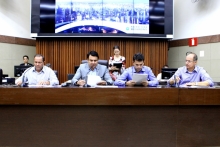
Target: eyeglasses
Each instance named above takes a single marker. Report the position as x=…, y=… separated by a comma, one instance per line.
x=189, y=61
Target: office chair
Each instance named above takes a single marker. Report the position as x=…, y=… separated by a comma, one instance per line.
x=56, y=73
x=70, y=76
x=1, y=76
x=102, y=62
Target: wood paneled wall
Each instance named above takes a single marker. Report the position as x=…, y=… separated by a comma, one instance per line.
x=65, y=53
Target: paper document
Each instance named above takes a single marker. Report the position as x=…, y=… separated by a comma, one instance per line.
x=93, y=80
x=100, y=86
x=138, y=78
x=40, y=86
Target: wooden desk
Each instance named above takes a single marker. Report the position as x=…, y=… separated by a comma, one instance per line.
x=157, y=117
x=109, y=96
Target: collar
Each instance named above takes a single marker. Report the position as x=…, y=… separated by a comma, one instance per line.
x=96, y=68
x=134, y=71
x=43, y=69
x=194, y=70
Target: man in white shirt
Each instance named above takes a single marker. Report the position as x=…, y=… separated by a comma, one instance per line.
x=38, y=74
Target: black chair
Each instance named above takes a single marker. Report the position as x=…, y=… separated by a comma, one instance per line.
x=1, y=76
x=70, y=76
x=56, y=73
x=102, y=62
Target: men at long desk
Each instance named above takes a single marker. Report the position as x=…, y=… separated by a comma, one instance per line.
x=92, y=68
x=38, y=74
x=191, y=74
x=138, y=68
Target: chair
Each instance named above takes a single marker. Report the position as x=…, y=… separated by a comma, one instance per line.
x=102, y=62
x=56, y=73
x=70, y=76
x=0, y=76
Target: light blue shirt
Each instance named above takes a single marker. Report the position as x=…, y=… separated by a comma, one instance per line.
x=197, y=75
x=128, y=74
x=32, y=77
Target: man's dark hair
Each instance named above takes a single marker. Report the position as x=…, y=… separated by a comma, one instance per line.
x=39, y=55
x=93, y=53
x=138, y=57
x=195, y=57
x=116, y=47
x=26, y=57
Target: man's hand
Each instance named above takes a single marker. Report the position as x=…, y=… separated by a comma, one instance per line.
x=173, y=80
x=101, y=83
x=114, y=68
x=19, y=83
x=144, y=83
x=81, y=82
x=44, y=83
x=130, y=83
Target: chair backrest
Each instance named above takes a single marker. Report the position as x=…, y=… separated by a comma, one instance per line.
x=102, y=62
x=70, y=76
x=1, y=76
x=56, y=73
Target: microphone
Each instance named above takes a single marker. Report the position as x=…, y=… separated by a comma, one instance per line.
x=86, y=79
x=175, y=81
x=24, y=84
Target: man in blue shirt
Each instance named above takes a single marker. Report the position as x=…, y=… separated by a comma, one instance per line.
x=138, y=68
x=191, y=74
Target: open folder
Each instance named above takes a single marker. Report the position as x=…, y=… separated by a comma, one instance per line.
x=139, y=78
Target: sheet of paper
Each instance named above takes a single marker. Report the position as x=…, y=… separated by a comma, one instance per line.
x=35, y=86
x=107, y=86
x=93, y=80
x=138, y=78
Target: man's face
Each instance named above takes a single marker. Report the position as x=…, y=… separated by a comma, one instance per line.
x=25, y=59
x=92, y=61
x=190, y=64
x=38, y=63
x=138, y=65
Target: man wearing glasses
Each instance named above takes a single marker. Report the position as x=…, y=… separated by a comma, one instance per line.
x=138, y=68
x=191, y=74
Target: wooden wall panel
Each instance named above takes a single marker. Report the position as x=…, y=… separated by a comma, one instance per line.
x=65, y=53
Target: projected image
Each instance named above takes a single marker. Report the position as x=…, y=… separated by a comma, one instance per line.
x=102, y=16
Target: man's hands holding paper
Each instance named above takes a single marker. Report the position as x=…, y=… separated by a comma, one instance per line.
x=101, y=83
x=132, y=83
x=81, y=82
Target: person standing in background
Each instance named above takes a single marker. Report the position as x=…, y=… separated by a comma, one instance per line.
x=25, y=59
x=116, y=58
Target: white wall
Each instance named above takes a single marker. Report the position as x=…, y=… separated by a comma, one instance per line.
x=12, y=54
x=15, y=18
x=196, y=19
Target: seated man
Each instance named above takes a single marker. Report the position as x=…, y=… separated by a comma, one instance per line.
x=92, y=68
x=191, y=74
x=38, y=74
x=26, y=58
x=139, y=68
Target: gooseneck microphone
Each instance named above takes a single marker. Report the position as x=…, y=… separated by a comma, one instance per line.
x=86, y=79
x=24, y=84
x=176, y=83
